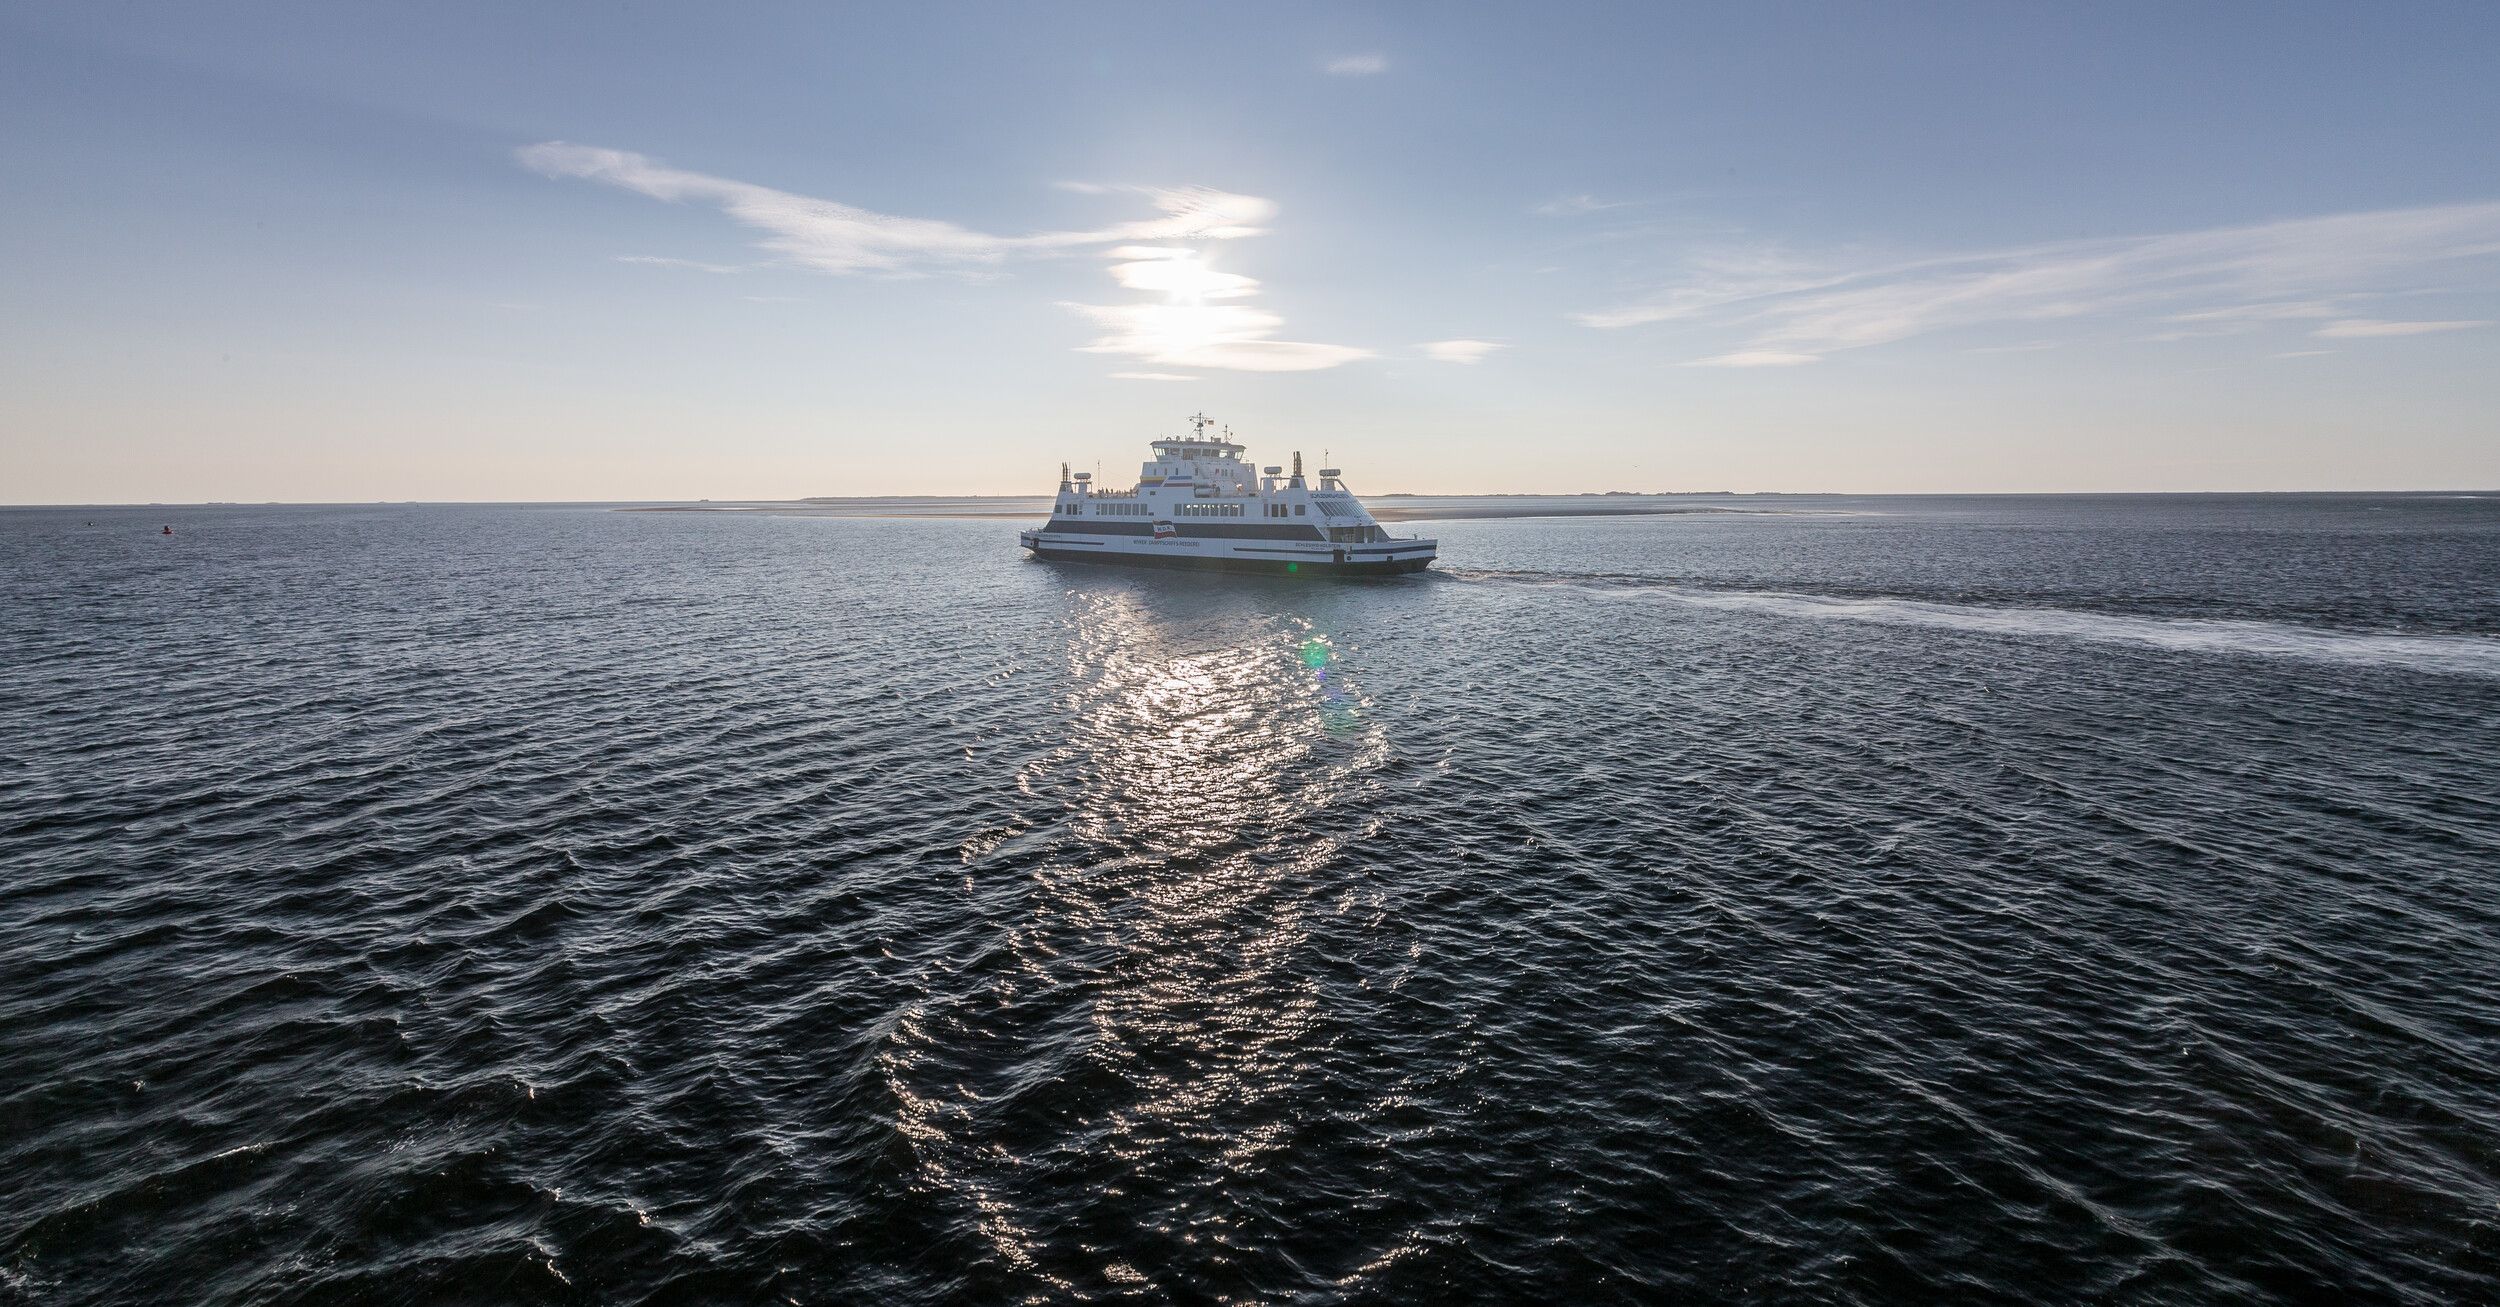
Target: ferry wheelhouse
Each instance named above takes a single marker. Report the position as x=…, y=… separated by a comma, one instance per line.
x=1196, y=504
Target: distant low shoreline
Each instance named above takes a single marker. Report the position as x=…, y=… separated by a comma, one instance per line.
x=1437, y=508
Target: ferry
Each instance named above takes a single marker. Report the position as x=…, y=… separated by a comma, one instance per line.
x=1196, y=504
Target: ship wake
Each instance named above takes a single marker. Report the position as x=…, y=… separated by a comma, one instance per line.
x=2453, y=654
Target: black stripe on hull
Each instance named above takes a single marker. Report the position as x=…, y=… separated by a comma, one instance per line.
x=1266, y=566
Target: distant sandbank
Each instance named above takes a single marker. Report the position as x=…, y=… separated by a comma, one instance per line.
x=1386, y=509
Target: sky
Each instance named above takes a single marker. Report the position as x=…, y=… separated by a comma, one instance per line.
x=351, y=252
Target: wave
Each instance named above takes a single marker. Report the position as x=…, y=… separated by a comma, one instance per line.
x=2467, y=655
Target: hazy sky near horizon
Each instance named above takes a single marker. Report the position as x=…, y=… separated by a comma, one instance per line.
x=453, y=251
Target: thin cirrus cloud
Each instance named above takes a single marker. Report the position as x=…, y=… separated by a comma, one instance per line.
x=1458, y=351
x=1148, y=255
x=695, y=265
x=1572, y=206
x=830, y=236
x=2357, y=328
x=1754, y=358
x=2275, y=311
x=1782, y=310
x=1358, y=65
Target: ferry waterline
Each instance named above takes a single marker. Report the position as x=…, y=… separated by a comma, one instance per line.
x=1196, y=504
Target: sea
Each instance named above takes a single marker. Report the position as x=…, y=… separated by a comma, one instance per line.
x=1742, y=899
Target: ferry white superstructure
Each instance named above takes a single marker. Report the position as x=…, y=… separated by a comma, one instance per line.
x=1196, y=504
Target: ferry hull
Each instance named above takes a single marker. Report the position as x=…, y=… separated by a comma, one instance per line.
x=1226, y=563
x=1275, y=558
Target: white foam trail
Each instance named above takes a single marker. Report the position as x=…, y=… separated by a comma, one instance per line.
x=2468, y=655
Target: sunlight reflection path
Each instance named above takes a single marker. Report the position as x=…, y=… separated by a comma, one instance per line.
x=1160, y=993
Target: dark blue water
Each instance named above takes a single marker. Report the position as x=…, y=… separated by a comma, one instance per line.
x=1876, y=901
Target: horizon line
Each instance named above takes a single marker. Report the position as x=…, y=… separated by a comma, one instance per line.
x=2470, y=491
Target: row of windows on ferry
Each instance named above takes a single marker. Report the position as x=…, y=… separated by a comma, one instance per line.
x=1120, y=508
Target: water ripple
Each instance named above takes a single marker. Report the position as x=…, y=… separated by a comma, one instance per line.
x=553, y=905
